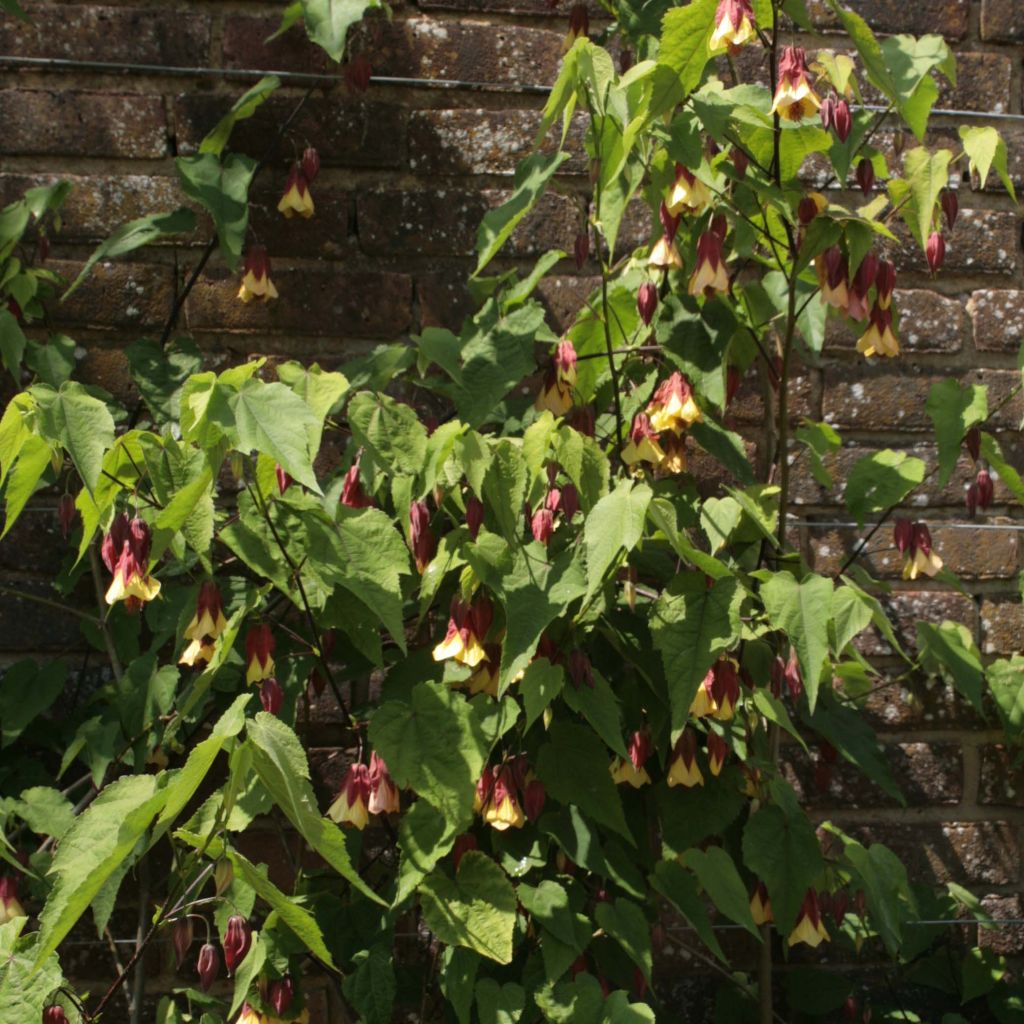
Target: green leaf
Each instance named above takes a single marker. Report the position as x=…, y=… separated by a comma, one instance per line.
x=243, y=108
x=46, y=811
x=852, y=613
x=159, y=374
x=949, y=650
x=390, y=430
x=222, y=189
x=531, y=179
x=600, y=707
x=499, y=1004
x=573, y=765
x=881, y=480
x=26, y=979
x=540, y=685
x=721, y=881
x=954, y=408
x=477, y=910
x=683, y=53
x=247, y=972
x=884, y=880
x=424, y=837
x=548, y=904
x=434, y=745
x=985, y=149
x=12, y=343
x=328, y=22
x=624, y=921
x=615, y=523
x=456, y=980
x=280, y=761
x=321, y=390
x=81, y=423
x=22, y=481
x=52, y=362
x=726, y=446
x=679, y=887
x=96, y=846
x=926, y=174
x=27, y=690
x=134, y=235
x=371, y=987
x=1006, y=682
x=297, y=918
x=272, y=419
x=691, y=625
x=803, y=611
x=993, y=454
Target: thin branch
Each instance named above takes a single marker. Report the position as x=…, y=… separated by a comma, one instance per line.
x=108, y=637
x=23, y=595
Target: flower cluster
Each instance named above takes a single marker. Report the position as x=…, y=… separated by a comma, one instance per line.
x=914, y=543
x=367, y=789
x=207, y=624
x=125, y=552
x=508, y=795
x=657, y=436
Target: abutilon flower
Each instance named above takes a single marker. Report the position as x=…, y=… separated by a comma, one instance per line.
x=725, y=688
x=384, y=795
x=832, y=270
x=468, y=625
x=647, y=302
x=280, y=994
x=674, y=461
x=66, y=513
x=740, y=162
x=421, y=537
x=865, y=175
x=734, y=26
x=684, y=770
x=643, y=443
x=581, y=248
x=688, y=194
x=357, y=73
x=793, y=676
x=534, y=798
x=733, y=380
x=208, y=966
x=672, y=406
x=271, y=695
x=914, y=542
x=474, y=515
x=559, y=381
x=485, y=677
x=703, y=702
x=857, y=308
x=761, y=905
x=352, y=493
x=950, y=206
x=125, y=552
x=665, y=255
x=297, y=198
x=972, y=442
x=237, y=940
x=809, y=927
x=935, y=251
x=207, y=624
x=851, y=1009
x=256, y=283
x=463, y=844
x=181, y=938
x=631, y=770
x=810, y=206
x=55, y=1015
x=284, y=478
x=878, y=339
x=579, y=25
x=835, y=115
x=250, y=1015
x=259, y=653
x=542, y=525
x=669, y=221
x=501, y=809
x=794, y=97
x=709, y=276
x=986, y=489
x=885, y=283
x=718, y=751
x=10, y=906
x=351, y=806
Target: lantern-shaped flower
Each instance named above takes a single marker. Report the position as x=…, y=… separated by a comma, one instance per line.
x=672, y=406
x=734, y=25
x=809, y=927
x=259, y=653
x=351, y=807
x=468, y=625
x=10, y=905
x=384, y=795
x=631, y=770
x=761, y=905
x=879, y=339
x=794, y=97
x=684, y=770
x=710, y=276
x=297, y=199
x=207, y=624
x=643, y=443
x=256, y=283
x=559, y=381
x=125, y=552
x=688, y=194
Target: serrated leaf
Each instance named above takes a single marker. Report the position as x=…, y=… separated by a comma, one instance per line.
x=881, y=480
x=26, y=691
x=624, y=921
x=683, y=53
x=389, y=429
x=81, y=423
x=954, y=408
x=614, y=524
x=243, y=108
x=222, y=189
x=371, y=987
x=22, y=481
x=721, y=881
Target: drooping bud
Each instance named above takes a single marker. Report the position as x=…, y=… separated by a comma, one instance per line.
x=237, y=941
x=827, y=112
x=352, y=493
x=840, y=904
x=310, y=163
x=761, y=905
x=807, y=210
x=421, y=537
x=280, y=994
x=647, y=302
x=581, y=672
x=474, y=515
x=579, y=25
x=865, y=175
x=733, y=379
x=842, y=121
x=357, y=73
x=718, y=751
x=66, y=513
x=271, y=695
x=950, y=206
x=581, y=248
x=885, y=283
x=857, y=307
x=54, y=1015
x=570, y=502
x=986, y=490
x=935, y=251
x=740, y=162
x=851, y=1009
x=182, y=938
x=223, y=876
x=833, y=273
x=284, y=479
x=464, y=843
x=534, y=796
x=903, y=535
x=972, y=442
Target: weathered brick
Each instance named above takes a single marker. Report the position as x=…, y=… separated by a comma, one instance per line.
x=108, y=368
x=984, y=82
x=1002, y=776
x=335, y=303
x=876, y=398
x=70, y=123
x=347, y=132
x=530, y=7
x=1002, y=21
x=996, y=558
x=123, y=295
x=327, y=234
x=564, y=298
x=926, y=774
x=1002, y=626
x=30, y=626
x=928, y=323
x=34, y=543
x=929, y=704
x=136, y=35
x=946, y=17
x=244, y=45
x=997, y=316
x=1003, y=939
x=445, y=222
x=327, y=768
x=483, y=141
x=983, y=852
x=906, y=608
x=984, y=242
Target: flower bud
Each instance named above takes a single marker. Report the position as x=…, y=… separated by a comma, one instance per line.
x=464, y=843
x=54, y=1015
x=851, y=1009
x=208, y=966
x=740, y=162
x=237, y=940
x=827, y=111
x=310, y=164
x=542, y=525
x=66, y=512
x=842, y=122
x=182, y=938
x=972, y=442
x=840, y=904
x=357, y=74
x=794, y=678
x=424, y=546
x=474, y=516
x=986, y=490
x=865, y=175
x=570, y=502
x=935, y=251
x=284, y=479
x=950, y=206
x=903, y=535
x=280, y=994
x=271, y=695
x=534, y=796
x=807, y=210
x=581, y=248
x=581, y=672
x=647, y=302
x=733, y=379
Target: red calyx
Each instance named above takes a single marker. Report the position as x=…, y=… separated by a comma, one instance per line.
x=237, y=940
x=208, y=966
x=865, y=175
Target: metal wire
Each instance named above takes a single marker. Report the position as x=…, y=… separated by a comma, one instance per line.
x=939, y=524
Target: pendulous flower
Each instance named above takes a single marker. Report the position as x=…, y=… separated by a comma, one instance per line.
x=384, y=795
x=833, y=271
x=688, y=194
x=421, y=537
x=208, y=966
x=794, y=97
x=684, y=770
x=10, y=905
x=809, y=927
x=259, y=653
x=631, y=770
x=647, y=302
x=351, y=806
x=237, y=940
x=256, y=283
x=734, y=26
x=718, y=751
x=672, y=406
x=352, y=493
x=879, y=339
x=761, y=905
x=643, y=443
x=935, y=251
x=665, y=255
x=297, y=199
x=271, y=695
x=468, y=625
x=125, y=552
x=559, y=381
x=207, y=624
x=710, y=276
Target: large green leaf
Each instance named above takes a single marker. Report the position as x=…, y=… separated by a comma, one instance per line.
x=244, y=107
x=499, y=1004
x=692, y=624
x=803, y=611
x=883, y=877
x=96, y=846
x=371, y=987
x=477, y=910
x=81, y=423
x=26, y=979
x=424, y=837
x=926, y=174
x=34, y=458
x=389, y=429
x=986, y=149
x=624, y=921
x=280, y=761
x=880, y=480
x=159, y=373
x=434, y=745
x=683, y=53
x=954, y=408
x=615, y=523
x=949, y=649
x=12, y=343
x=721, y=881
x=679, y=887
x=27, y=690
x=328, y=22
x=222, y=189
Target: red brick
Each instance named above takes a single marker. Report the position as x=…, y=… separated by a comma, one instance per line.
x=543, y=8
x=997, y=316
x=133, y=35
x=70, y=123
x=131, y=296
x=928, y=323
x=108, y=368
x=983, y=83
x=345, y=132
x=564, y=298
x=444, y=223
x=996, y=558
x=917, y=705
x=984, y=242
x=1004, y=939
x=1002, y=21
x=335, y=303
x=906, y=608
x=244, y=45
x=1002, y=776
x=946, y=17
x=483, y=141
x=1002, y=626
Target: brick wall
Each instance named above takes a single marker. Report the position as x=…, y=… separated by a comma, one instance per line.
x=407, y=173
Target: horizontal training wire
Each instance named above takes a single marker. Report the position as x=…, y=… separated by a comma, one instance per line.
x=306, y=78
x=939, y=524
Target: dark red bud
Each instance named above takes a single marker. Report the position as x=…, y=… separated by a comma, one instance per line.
x=280, y=994
x=711, y=148
x=582, y=248
x=851, y=1009
x=972, y=442
x=284, y=480
x=986, y=490
x=570, y=502
x=720, y=226
x=474, y=515
x=465, y=843
x=271, y=695
x=533, y=799
x=840, y=904
x=740, y=161
x=54, y=1015
x=357, y=74
x=310, y=164
x=237, y=940
x=542, y=525
x=182, y=939
x=950, y=207
x=208, y=966
x=842, y=121
x=935, y=251
x=827, y=111
x=581, y=673
x=66, y=512
x=903, y=535
x=866, y=176
x=733, y=379
x=647, y=302
x=807, y=210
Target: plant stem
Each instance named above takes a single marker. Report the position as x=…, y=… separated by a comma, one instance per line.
x=22, y=595
x=108, y=638
x=139, y=980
